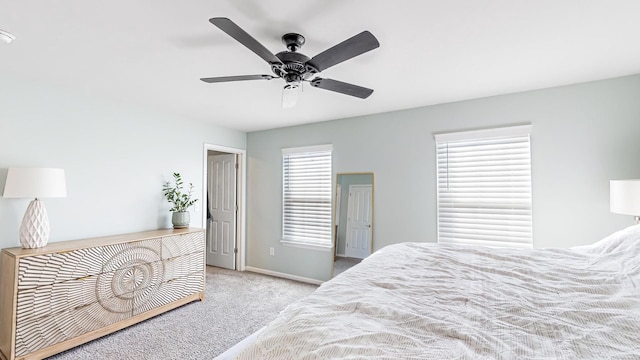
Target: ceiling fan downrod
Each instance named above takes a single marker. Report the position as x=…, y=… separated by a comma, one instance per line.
x=293, y=41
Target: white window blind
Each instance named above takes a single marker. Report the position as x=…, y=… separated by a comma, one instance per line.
x=306, y=218
x=484, y=187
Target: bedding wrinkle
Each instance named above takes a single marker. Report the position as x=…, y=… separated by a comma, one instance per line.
x=434, y=301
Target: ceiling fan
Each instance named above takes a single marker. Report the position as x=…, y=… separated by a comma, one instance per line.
x=296, y=68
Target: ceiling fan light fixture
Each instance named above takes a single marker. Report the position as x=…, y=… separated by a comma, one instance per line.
x=290, y=93
x=6, y=36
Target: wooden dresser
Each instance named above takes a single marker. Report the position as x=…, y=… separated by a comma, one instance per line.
x=71, y=292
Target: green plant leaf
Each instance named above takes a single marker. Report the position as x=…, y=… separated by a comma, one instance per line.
x=181, y=201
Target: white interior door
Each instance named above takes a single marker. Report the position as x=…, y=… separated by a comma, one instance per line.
x=358, y=244
x=221, y=221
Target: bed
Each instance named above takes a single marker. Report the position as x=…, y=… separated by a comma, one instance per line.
x=431, y=301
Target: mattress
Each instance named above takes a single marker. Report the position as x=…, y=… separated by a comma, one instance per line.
x=431, y=301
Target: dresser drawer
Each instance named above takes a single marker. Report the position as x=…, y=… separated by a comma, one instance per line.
x=36, y=334
x=182, y=266
x=55, y=298
x=168, y=292
x=38, y=270
x=125, y=255
x=123, y=282
x=174, y=246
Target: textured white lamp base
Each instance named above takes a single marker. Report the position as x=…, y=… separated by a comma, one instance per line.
x=34, y=231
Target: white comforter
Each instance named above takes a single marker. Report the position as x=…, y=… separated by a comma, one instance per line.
x=429, y=301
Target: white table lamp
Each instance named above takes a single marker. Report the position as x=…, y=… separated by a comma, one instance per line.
x=625, y=197
x=35, y=183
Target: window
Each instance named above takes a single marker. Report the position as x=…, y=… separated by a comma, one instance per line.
x=484, y=187
x=306, y=196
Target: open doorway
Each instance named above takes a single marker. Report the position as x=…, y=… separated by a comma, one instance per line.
x=224, y=215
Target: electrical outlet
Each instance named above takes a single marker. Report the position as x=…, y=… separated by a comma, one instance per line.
x=196, y=207
x=272, y=251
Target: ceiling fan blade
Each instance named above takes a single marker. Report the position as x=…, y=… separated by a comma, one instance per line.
x=237, y=78
x=352, y=47
x=245, y=39
x=342, y=87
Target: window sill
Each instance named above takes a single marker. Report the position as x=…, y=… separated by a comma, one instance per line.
x=305, y=245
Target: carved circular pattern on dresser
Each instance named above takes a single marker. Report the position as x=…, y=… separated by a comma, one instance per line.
x=135, y=276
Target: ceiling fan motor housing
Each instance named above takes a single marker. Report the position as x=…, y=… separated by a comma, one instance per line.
x=293, y=65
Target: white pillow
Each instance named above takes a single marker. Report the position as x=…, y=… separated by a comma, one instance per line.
x=623, y=240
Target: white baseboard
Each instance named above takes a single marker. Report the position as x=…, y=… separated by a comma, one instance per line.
x=283, y=275
x=341, y=255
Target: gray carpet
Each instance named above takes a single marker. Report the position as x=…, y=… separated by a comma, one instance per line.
x=343, y=263
x=236, y=305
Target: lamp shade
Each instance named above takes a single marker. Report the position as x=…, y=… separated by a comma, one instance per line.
x=35, y=183
x=625, y=197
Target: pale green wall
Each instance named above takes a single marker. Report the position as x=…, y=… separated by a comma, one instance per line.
x=583, y=135
x=116, y=158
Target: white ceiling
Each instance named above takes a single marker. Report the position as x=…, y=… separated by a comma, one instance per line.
x=153, y=52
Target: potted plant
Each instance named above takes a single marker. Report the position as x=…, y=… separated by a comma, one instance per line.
x=180, y=200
